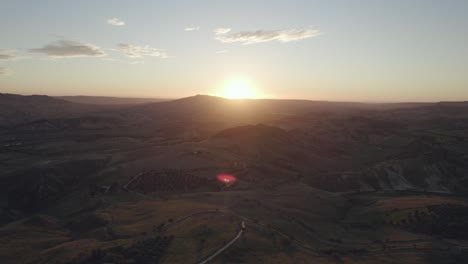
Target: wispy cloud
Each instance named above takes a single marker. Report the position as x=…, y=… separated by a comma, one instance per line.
x=136, y=62
x=221, y=51
x=221, y=31
x=134, y=51
x=115, y=22
x=259, y=36
x=192, y=29
x=4, y=71
x=7, y=55
x=69, y=49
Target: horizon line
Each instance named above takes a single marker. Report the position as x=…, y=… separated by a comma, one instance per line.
x=263, y=98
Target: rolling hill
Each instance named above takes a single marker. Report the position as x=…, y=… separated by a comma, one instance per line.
x=321, y=182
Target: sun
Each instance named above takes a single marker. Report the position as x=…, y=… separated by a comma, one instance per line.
x=238, y=89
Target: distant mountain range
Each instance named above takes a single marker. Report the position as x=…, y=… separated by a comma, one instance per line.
x=109, y=100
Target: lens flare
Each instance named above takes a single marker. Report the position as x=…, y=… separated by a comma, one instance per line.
x=226, y=178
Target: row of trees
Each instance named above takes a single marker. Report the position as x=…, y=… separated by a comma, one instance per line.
x=154, y=182
x=447, y=220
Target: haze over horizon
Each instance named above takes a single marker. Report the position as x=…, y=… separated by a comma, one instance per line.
x=86, y=99
x=371, y=51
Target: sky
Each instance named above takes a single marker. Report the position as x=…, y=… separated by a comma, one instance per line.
x=370, y=51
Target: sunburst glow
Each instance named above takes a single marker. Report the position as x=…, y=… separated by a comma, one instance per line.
x=238, y=89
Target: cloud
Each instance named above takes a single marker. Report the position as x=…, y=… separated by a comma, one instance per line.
x=192, y=29
x=136, y=62
x=6, y=55
x=253, y=37
x=221, y=31
x=4, y=71
x=115, y=22
x=9, y=55
x=69, y=49
x=134, y=51
x=221, y=51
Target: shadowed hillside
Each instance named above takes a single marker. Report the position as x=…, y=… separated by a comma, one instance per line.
x=106, y=100
x=320, y=182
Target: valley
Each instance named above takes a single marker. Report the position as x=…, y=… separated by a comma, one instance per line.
x=315, y=181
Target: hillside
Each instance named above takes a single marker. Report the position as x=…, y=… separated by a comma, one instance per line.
x=107, y=100
x=320, y=182
x=17, y=109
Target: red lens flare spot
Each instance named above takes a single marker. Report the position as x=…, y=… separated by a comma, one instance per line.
x=226, y=178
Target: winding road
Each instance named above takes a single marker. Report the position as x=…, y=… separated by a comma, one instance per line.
x=295, y=241
x=221, y=250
